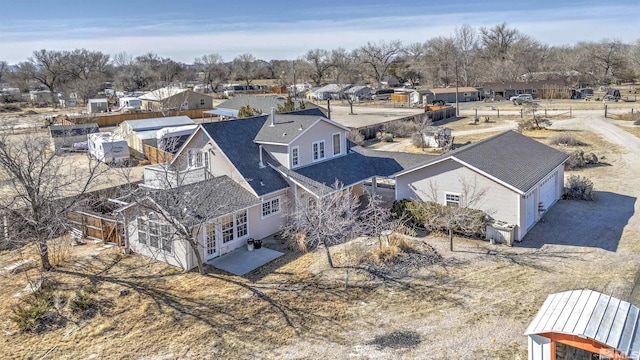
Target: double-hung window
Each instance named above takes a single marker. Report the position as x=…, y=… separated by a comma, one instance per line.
x=451, y=199
x=318, y=150
x=194, y=158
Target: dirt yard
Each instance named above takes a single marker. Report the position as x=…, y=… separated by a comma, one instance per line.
x=474, y=302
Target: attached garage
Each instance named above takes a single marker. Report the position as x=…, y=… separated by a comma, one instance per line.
x=584, y=324
x=521, y=179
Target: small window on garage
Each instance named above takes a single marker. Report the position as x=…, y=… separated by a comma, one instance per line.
x=201, y=102
x=451, y=199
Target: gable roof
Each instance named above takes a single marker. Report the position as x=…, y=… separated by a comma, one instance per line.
x=224, y=196
x=332, y=88
x=450, y=90
x=158, y=123
x=235, y=140
x=288, y=126
x=590, y=314
x=511, y=158
x=355, y=89
x=261, y=103
x=359, y=165
x=162, y=93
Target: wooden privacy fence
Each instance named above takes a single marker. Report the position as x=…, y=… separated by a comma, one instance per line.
x=98, y=227
x=117, y=119
x=371, y=131
x=155, y=155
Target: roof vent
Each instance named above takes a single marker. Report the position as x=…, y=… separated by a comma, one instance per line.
x=284, y=134
x=273, y=116
x=261, y=183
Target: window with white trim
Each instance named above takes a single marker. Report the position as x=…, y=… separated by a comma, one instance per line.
x=318, y=150
x=295, y=156
x=271, y=207
x=156, y=234
x=211, y=239
x=234, y=226
x=336, y=144
x=451, y=199
x=206, y=159
x=194, y=158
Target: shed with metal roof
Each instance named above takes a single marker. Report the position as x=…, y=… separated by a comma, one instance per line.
x=139, y=133
x=579, y=323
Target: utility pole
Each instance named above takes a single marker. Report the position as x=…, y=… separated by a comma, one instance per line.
x=295, y=86
x=457, y=110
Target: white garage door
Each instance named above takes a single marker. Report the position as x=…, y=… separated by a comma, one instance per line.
x=548, y=191
x=532, y=207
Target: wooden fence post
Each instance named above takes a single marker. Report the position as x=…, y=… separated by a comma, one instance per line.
x=605, y=110
x=498, y=113
x=570, y=113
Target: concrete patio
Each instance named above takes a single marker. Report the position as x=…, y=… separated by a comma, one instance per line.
x=242, y=261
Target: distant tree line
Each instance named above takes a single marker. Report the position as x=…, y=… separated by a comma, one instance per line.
x=471, y=55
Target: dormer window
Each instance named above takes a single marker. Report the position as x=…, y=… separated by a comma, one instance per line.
x=295, y=156
x=318, y=150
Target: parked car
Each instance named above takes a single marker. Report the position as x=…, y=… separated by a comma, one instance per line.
x=519, y=99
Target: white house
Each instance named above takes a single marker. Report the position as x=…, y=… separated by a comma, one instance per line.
x=522, y=179
x=273, y=160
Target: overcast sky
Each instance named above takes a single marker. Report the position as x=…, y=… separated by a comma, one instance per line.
x=283, y=29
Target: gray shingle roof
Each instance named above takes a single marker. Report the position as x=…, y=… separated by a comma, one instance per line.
x=261, y=103
x=285, y=128
x=158, y=123
x=206, y=199
x=359, y=165
x=235, y=139
x=512, y=158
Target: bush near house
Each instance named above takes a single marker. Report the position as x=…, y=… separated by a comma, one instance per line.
x=578, y=159
x=436, y=217
x=403, y=129
x=578, y=188
x=566, y=140
x=356, y=137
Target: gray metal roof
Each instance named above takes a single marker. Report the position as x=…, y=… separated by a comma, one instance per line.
x=158, y=123
x=332, y=88
x=285, y=128
x=590, y=314
x=73, y=130
x=510, y=157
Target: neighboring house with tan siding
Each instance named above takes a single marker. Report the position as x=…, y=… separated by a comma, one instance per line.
x=174, y=98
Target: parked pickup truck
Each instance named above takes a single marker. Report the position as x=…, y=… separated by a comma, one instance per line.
x=519, y=99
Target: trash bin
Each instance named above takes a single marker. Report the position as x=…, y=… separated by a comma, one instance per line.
x=250, y=244
x=257, y=244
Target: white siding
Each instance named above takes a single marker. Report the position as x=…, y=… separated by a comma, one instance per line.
x=320, y=131
x=181, y=256
x=279, y=152
x=500, y=202
x=539, y=348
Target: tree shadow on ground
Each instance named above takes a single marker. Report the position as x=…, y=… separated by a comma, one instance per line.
x=596, y=224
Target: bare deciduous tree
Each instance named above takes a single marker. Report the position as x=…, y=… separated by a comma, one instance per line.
x=215, y=71
x=40, y=188
x=458, y=216
x=329, y=220
x=320, y=64
x=244, y=68
x=379, y=57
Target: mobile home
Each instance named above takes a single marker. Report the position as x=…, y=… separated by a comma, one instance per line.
x=107, y=147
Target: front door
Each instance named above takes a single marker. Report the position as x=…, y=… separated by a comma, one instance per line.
x=211, y=248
